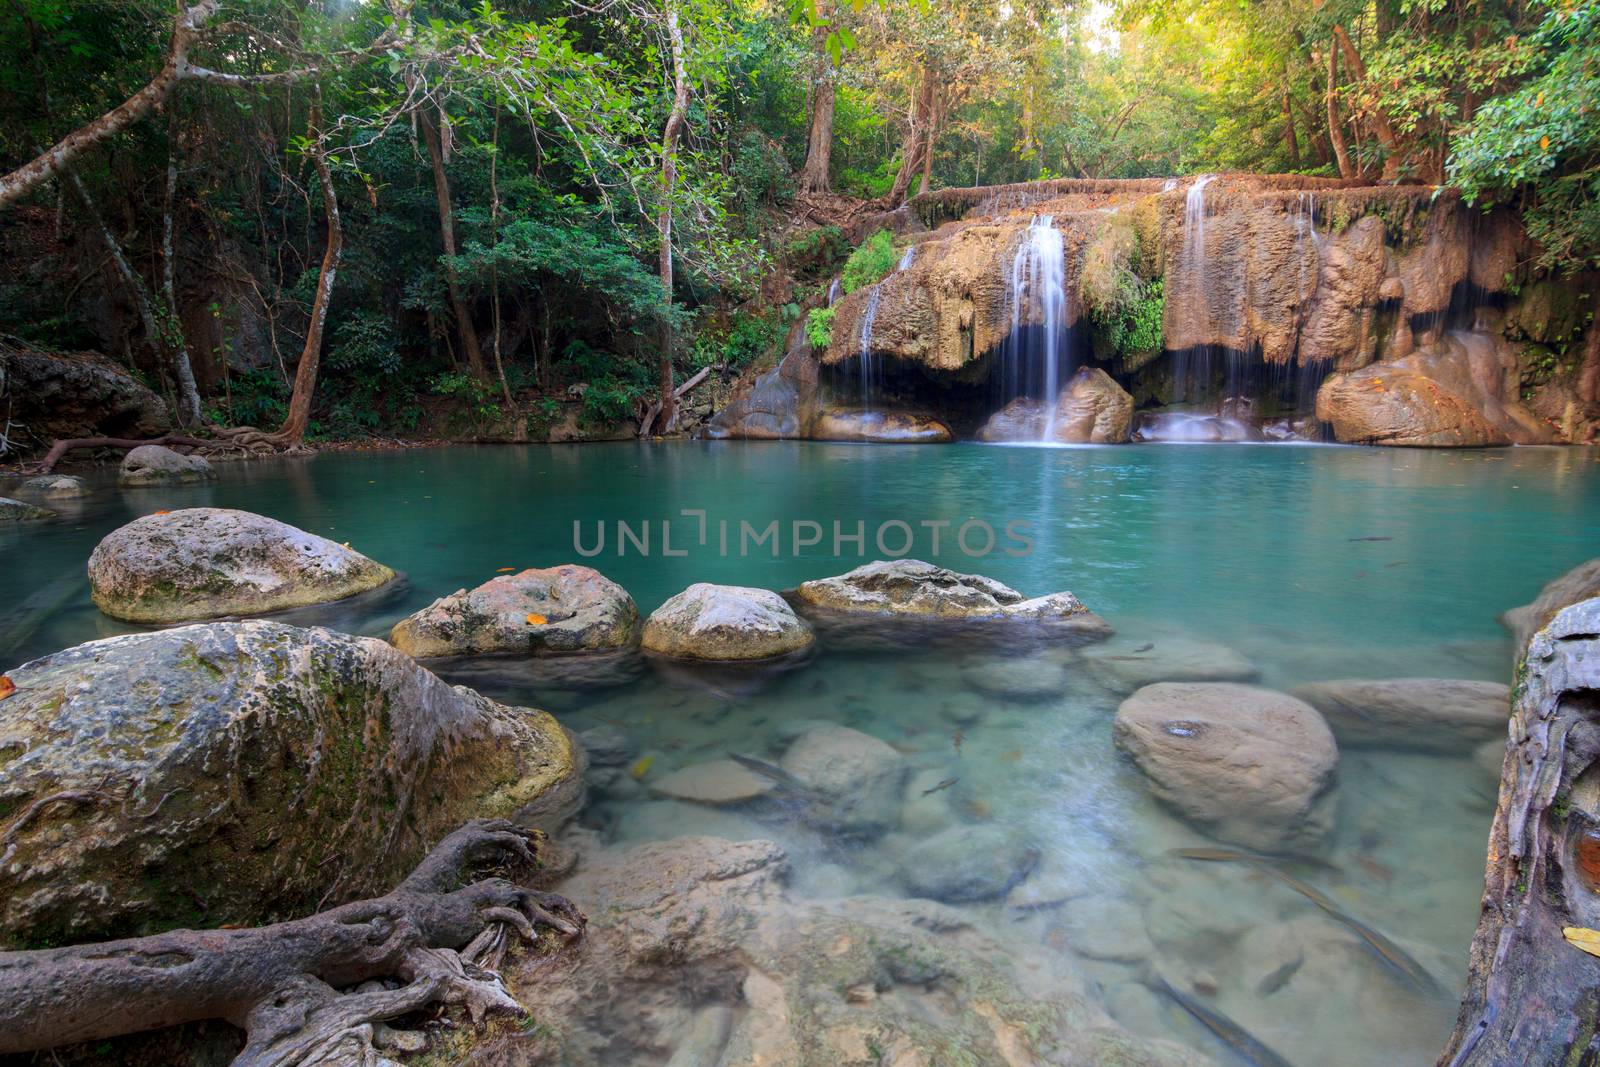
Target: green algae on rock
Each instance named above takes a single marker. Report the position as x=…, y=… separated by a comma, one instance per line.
x=554, y=610
x=244, y=771
x=205, y=563
x=18, y=511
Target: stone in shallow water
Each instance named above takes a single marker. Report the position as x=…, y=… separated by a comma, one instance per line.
x=202, y=563
x=1049, y=884
x=1250, y=766
x=1104, y=928
x=1423, y=714
x=720, y=781
x=854, y=779
x=607, y=745
x=552, y=610
x=1026, y=678
x=1491, y=757
x=967, y=863
x=1129, y=663
x=725, y=622
x=157, y=465
x=57, y=485
x=18, y=511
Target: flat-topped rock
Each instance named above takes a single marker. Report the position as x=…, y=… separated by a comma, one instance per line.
x=1248, y=765
x=968, y=863
x=725, y=622
x=564, y=609
x=913, y=589
x=159, y=465
x=21, y=511
x=205, y=563
x=56, y=485
x=722, y=781
x=1128, y=663
x=1422, y=714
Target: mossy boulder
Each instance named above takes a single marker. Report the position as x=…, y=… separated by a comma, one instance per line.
x=19, y=511
x=246, y=771
x=157, y=465
x=550, y=611
x=206, y=563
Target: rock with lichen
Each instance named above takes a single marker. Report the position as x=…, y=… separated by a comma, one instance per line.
x=158, y=465
x=725, y=622
x=537, y=611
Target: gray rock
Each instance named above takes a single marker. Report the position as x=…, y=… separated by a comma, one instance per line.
x=56, y=485
x=1248, y=765
x=1127, y=664
x=1023, y=678
x=607, y=745
x=967, y=863
x=725, y=622
x=158, y=465
x=1580, y=583
x=720, y=781
x=1421, y=714
x=854, y=780
x=18, y=511
x=582, y=611
x=202, y=563
x=59, y=395
x=255, y=766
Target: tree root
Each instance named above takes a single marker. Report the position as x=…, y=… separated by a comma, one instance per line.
x=307, y=992
x=226, y=440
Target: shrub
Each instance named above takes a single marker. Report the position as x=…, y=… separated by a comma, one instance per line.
x=610, y=399
x=816, y=251
x=819, y=327
x=871, y=262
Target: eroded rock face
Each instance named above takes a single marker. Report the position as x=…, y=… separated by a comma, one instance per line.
x=203, y=563
x=237, y=772
x=910, y=588
x=1248, y=765
x=61, y=395
x=157, y=465
x=560, y=609
x=1460, y=392
x=880, y=427
x=777, y=405
x=1421, y=714
x=21, y=511
x=1580, y=583
x=725, y=622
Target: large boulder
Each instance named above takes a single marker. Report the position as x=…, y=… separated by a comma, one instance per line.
x=81, y=394
x=1248, y=765
x=1423, y=714
x=236, y=772
x=1459, y=392
x=21, y=511
x=555, y=610
x=778, y=404
x=880, y=427
x=852, y=780
x=53, y=485
x=912, y=589
x=1580, y=583
x=157, y=465
x=204, y=563
x=725, y=622
x=1091, y=409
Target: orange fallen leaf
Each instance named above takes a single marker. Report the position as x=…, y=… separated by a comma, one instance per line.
x=537, y=620
x=7, y=686
x=162, y=512
x=505, y=570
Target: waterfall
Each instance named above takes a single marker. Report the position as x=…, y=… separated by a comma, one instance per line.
x=1192, y=370
x=833, y=293
x=1031, y=356
x=865, y=365
x=905, y=260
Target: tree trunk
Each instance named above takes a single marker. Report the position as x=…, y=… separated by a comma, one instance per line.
x=1290, y=142
x=447, y=235
x=669, y=180
x=1377, y=120
x=280, y=982
x=911, y=150
x=494, y=264
x=819, y=143
x=293, y=430
x=1335, y=131
x=929, y=136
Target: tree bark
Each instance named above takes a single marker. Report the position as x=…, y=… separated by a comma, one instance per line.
x=293, y=430
x=494, y=264
x=1377, y=120
x=819, y=142
x=911, y=150
x=1290, y=142
x=1335, y=131
x=279, y=982
x=447, y=235
x=669, y=180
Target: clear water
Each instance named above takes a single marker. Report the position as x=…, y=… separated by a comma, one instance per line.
x=1314, y=562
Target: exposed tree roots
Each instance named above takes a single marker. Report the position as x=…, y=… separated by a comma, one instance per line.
x=293, y=986
x=232, y=440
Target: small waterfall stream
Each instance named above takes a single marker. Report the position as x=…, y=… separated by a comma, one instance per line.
x=833, y=293
x=865, y=365
x=1032, y=354
x=905, y=260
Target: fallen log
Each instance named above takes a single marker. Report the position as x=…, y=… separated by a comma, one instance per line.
x=72, y=444
x=1531, y=991
x=290, y=985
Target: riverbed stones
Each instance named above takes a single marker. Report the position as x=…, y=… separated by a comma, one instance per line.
x=60, y=486
x=853, y=779
x=233, y=772
x=913, y=589
x=1019, y=678
x=1422, y=714
x=1580, y=583
x=967, y=863
x=204, y=563
x=150, y=465
x=1250, y=766
x=725, y=622
x=1128, y=663
x=21, y=511
x=722, y=781
x=554, y=610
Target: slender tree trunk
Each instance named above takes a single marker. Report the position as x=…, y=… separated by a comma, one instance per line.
x=1335, y=130
x=819, y=144
x=1290, y=141
x=494, y=264
x=931, y=134
x=447, y=235
x=668, y=415
x=1377, y=120
x=293, y=430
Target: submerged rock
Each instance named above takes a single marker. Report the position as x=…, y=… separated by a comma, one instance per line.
x=1025, y=678
x=1580, y=583
x=19, y=511
x=910, y=588
x=202, y=563
x=235, y=772
x=1248, y=765
x=555, y=610
x=968, y=863
x=1128, y=663
x=722, y=781
x=853, y=780
x=725, y=622
x=158, y=465
x=56, y=485
x=880, y=427
x=1423, y=714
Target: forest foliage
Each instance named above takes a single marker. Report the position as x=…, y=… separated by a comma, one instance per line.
x=537, y=199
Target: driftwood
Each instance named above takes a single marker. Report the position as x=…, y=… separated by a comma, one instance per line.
x=288, y=985
x=1531, y=993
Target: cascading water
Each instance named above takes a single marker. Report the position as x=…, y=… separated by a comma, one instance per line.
x=833, y=293
x=905, y=260
x=865, y=364
x=1192, y=370
x=1032, y=354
